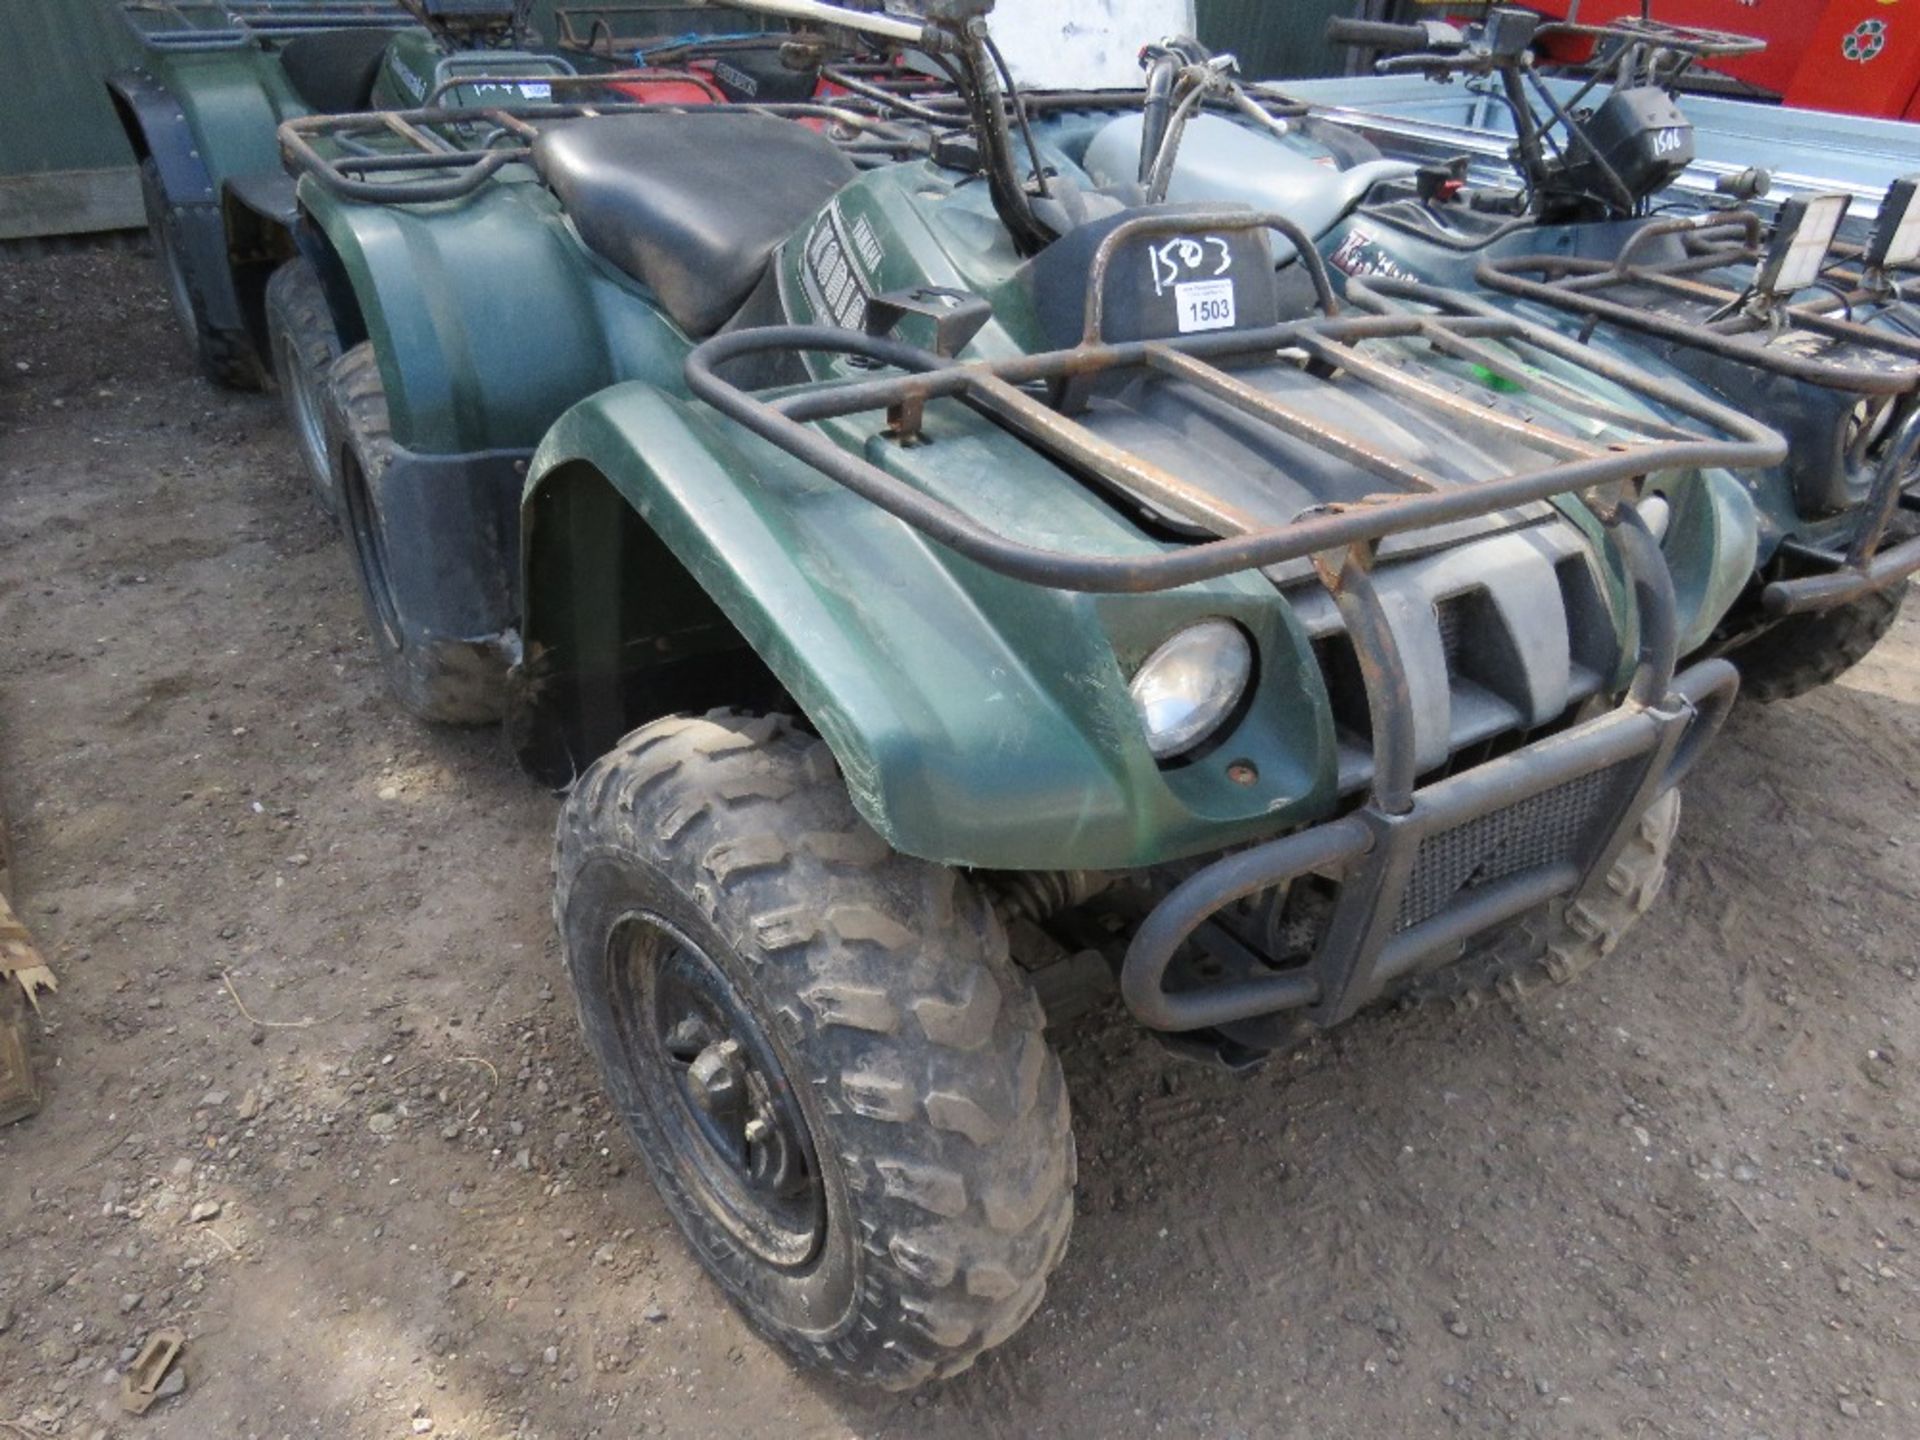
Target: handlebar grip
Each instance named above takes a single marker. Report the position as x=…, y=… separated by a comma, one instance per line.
x=1378, y=35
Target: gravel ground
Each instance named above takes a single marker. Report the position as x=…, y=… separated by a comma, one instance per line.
x=318, y=1099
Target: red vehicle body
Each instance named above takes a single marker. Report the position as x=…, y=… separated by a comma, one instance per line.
x=1860, y=57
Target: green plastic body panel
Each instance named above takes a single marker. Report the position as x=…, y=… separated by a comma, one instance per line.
x=488, y=317
x=233, y=100
x=979, y=721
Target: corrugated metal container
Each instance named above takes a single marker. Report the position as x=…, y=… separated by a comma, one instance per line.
x=64, y=165
x=1274, y=39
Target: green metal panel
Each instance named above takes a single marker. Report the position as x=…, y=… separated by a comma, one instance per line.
x=54, y=115
x=1274, y=39
x=64, y=163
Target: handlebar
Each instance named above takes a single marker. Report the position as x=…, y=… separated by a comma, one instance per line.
x=1380, y=35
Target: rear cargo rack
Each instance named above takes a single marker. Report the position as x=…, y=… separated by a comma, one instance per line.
x=618, y=31
x=230, y=24
x=1686, y=301
x=428, y=155
x=1698, y=308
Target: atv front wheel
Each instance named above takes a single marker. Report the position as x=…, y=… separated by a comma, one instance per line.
x=1559, y=942
x=834, y=1073
x=1815, y=648
x=303, y=342
x=225, y=358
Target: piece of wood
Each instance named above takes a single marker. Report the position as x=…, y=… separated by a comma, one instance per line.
x=23, y=975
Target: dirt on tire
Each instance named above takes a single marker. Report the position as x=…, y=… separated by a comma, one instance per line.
x=316, y=1094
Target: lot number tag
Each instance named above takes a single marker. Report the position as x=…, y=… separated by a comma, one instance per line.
x=1204, y=305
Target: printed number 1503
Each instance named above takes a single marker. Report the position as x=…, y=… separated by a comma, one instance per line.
x=1204, y=305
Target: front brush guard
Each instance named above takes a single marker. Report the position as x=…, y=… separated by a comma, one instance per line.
x=1601, y=776
x=1424, y=871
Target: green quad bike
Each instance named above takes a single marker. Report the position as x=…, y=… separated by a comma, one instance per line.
x=921, y=566
x=1789, y=309
x=201, y=113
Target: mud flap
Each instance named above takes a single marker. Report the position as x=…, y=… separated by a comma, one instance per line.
x=451, y=527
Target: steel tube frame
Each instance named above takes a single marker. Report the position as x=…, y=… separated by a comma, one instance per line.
x=477, y=164
x=1572, y=285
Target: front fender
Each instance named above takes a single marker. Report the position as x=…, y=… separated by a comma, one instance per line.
x=978, y=721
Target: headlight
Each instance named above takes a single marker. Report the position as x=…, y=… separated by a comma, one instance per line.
x=1190, y=684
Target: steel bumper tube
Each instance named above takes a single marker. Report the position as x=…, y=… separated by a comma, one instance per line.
x=1632, y=754
x=1824, y=592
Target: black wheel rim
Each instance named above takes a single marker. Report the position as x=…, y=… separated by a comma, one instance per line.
x=363, y=528
x=715, y=1086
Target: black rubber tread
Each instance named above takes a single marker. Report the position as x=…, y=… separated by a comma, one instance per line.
x=1804, y=652
x=444, y=681
x=224, y=357
x=1558, y=943
x=303, y=343
x=938, y=1108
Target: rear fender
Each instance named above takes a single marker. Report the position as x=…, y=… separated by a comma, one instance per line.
x=158, y=129
x=207, y=122
x=977, y=721
x=487, y=316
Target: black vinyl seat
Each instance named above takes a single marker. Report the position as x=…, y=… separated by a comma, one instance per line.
x=690, y=205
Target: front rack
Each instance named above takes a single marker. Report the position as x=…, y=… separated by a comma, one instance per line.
x=228, y=24
x=1687, y=301
x=429, y=155
x=1633, y=751
x=1457, y=327
x=1339, y=539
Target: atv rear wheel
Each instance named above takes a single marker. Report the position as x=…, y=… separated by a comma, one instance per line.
x=833, y=1071
x=1806, y=651
x=225, y=358
x=303, y=342
x=440, y=678
x=1559, y=942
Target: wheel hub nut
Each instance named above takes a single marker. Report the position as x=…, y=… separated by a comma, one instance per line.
x=715, y=1077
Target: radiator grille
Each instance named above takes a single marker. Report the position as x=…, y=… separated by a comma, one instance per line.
x=1545, y=829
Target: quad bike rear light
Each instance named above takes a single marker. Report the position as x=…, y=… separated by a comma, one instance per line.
x=1803, y=235
x=1896, y=235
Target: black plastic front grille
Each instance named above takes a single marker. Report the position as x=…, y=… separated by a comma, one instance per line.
x=1550, y=828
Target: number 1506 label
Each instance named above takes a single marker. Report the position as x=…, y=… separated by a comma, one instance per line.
x=1204, y=305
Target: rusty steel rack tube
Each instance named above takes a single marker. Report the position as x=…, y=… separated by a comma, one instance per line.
x=1573, y=285
x=423, y=148
x=179, y=24
x=1333, y=338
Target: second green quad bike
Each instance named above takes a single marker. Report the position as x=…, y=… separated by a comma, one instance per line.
x=1790, y=308
x=201, y=110
x=922, y=566
x=1588, y=237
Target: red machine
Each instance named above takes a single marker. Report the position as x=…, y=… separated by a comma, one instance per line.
x=1861, y=57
